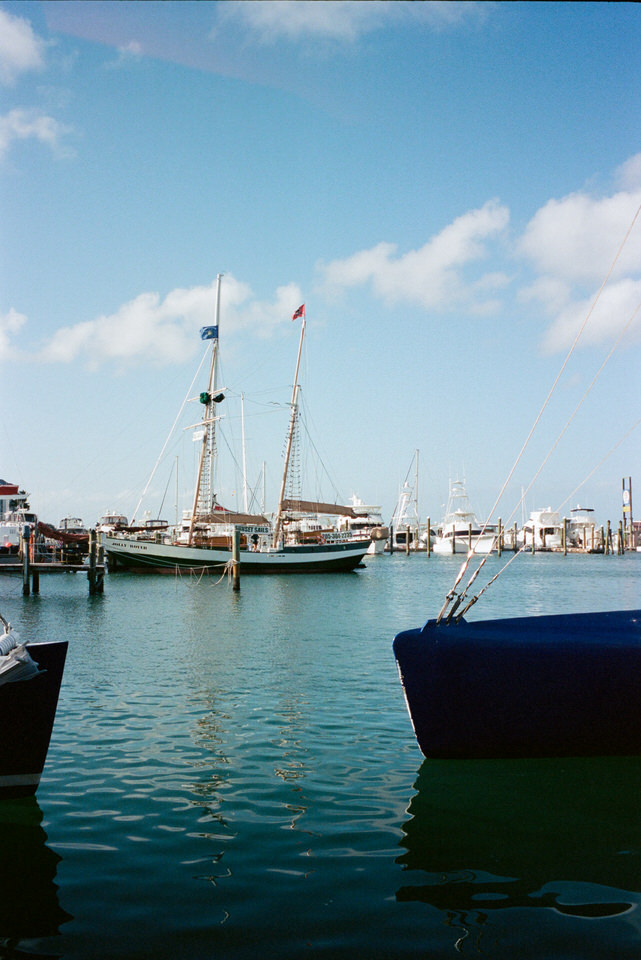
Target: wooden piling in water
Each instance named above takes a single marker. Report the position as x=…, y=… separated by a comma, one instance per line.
x=25, y=561
x=100, y=581
x=96, y=571
x=407, y=540
x=91, y=573
x=428, y=548
x=499, y=540
x=235, y=574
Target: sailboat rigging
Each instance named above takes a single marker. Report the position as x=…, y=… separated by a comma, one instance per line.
x=565, y=684
x=206, y=544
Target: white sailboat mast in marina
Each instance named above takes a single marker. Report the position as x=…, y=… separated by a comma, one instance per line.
x=208, y=543
x=278, y=524
x=203, y=495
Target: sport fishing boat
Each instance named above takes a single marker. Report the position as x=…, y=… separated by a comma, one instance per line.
x=30, y=678
x=206, y=542
x=460, y=530
x=405, y=524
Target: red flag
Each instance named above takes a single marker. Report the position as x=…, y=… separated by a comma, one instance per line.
x=299, y=313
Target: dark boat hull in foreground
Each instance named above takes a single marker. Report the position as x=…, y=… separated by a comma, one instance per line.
x=548, y=686
x=27, y=713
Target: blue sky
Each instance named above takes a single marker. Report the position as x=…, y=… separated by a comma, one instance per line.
x=445, y=186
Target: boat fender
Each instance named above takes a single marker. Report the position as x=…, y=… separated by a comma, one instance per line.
x=8, y=641
x=17, y=665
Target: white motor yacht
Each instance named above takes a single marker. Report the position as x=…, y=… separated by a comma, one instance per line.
x=460, y=530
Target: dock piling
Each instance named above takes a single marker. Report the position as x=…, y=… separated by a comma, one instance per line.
x=96, y=571
x=26, y=561
x=235, y=575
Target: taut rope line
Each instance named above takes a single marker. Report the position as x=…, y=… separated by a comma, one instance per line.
x=452, y=593
x=573, y=415
x=173, y=427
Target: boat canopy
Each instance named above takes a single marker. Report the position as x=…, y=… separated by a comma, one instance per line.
x=312, y=506
x=229, y=516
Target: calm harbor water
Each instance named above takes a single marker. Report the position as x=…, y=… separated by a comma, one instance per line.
x=234, y=775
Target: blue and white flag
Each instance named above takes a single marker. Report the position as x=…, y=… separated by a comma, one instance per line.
x=209, y=333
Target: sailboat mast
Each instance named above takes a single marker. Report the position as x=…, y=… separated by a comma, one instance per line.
x=203, y=493
x=418, y=516
x=242, y=430
x=290, y=437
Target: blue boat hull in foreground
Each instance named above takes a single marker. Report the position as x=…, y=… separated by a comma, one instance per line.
x=544, y=686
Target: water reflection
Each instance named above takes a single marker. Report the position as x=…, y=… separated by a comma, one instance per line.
x=487, y=835
x=29, y=905
x=219, y=743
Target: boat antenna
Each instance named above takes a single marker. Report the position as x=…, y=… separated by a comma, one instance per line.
x=290, y=433
x=203, y=493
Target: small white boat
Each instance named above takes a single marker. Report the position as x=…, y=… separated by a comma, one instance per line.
x=111, y=521
x=545, y=528
x=460, y=529
x=72, y=525
x=581, y=530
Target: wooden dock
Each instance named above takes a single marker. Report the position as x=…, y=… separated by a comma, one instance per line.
x=31, y=568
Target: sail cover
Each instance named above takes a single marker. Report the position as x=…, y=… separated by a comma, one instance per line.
x=311, y=506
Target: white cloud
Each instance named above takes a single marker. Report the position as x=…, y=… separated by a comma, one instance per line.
x=576, y=238
x=618, y=304
x=432, y=276
x=551, y=292
x=149, y=329
x=129, y=52
x=572, y=244
x=20, y=124
x=628, y=175
x=131, y=49
x=20, y=48
x=341, y=19
x=10, y=323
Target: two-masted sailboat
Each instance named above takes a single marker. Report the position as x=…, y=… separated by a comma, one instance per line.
x=206, y=542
